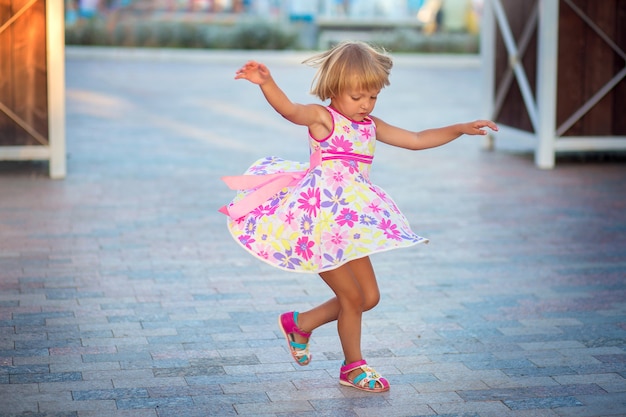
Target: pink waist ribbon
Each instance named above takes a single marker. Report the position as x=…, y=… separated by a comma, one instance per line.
x=268, y=185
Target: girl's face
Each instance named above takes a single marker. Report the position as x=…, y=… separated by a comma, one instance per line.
x=355, y=104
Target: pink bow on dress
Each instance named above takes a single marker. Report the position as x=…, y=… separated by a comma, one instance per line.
x=265, y=186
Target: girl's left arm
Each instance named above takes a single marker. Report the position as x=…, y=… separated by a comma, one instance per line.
x=429, y=138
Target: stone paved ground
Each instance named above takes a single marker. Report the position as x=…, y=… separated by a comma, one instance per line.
x=122, y=294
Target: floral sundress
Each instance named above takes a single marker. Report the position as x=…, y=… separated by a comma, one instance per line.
x=316, y=216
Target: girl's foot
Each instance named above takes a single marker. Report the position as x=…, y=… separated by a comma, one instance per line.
x=297, y=339
x=360, y=376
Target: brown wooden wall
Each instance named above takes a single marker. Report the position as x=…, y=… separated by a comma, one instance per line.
x=23, y=78
x=585, y=64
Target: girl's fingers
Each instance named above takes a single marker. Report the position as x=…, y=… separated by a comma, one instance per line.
x=477, y=127
x=490, y=124
x=246, y=70
x=486, y=123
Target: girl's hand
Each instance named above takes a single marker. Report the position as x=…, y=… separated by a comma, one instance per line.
x=255, y=72
x=476, y=127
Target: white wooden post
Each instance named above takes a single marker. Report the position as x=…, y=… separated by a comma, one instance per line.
x=547, y=65
x=55, y=56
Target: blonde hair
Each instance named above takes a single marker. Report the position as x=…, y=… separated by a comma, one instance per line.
x=349, y=65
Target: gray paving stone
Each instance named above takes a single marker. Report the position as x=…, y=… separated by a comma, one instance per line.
x=505, y=394
x=112, y=394
x=116, y=357
x=149, y=382
x=44, y=414
x=222, y=379
x=538, y=403
x=70, y=406
x=160, y=402
x=224, y=410
x=535, y=371
x=260, y=409
x=250, y=398
x=184, y=390
x=596, y=405
x=316, y=413
x=45, y=377
x=16, y=406
x=189, y=371
x=289, y=394
x=479, y=408
x=24, y=369
x=119, y=413
x=396, y=411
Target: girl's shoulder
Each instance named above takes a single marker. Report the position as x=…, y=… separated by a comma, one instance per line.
x=322, y=110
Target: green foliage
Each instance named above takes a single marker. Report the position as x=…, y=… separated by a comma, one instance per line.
x=89, y=33
x=144, y=33
x=263, y=36
x=412, y=41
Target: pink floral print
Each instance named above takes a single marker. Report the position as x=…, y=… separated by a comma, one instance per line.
x=310, y=201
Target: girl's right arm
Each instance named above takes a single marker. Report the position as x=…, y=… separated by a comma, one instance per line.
x=314, y=116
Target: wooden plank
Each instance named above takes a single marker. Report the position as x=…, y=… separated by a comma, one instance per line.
x=598, y=66
x=12, y=153
x=19, y=4
x=5, y=10
x=570, y=95
x=7, y=127
x=22, y=95
x=513, y=112
x=529, y=61
x=39, y=63
x=29, y=78
x=619, y=96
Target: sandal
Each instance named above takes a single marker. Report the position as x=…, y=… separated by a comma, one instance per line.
x=288, y=325
x=369, y=380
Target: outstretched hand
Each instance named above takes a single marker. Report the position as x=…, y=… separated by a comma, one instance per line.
x=253, y=71
x=477, y=127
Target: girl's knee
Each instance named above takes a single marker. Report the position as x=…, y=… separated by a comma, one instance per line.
x=355, y=302
x=367, y=300
x=360, y=302
x=371, y=301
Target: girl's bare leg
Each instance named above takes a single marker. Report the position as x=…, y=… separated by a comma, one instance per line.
x=356, y=290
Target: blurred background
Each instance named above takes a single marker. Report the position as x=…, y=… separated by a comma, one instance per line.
x=398, y=25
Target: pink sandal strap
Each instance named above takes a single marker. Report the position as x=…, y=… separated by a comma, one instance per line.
x=368, y=380
x=345, y=369
x=288, y=325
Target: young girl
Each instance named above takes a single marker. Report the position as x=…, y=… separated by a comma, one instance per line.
x=325, y=216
